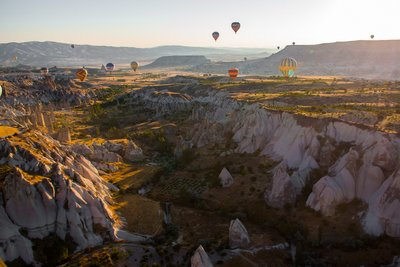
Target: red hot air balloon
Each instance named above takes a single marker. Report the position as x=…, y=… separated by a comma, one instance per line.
x=235, y=26
x=233, y=73
x=215, y=35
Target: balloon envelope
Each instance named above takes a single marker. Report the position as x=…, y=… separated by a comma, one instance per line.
x=372, y=36
x=215, y=35
x=81, y=74
x=72, y=46
x=110, y=66
x=233, y=73
x=235, y=26
x=288, y=66
x=134, y=65
x=278, y=47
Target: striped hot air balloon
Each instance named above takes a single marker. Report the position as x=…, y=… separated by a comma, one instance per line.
x=235, y=26
x=81, y=74
x=110, y=67
x=134, y=65
x=288, y=67
x=44, y=71
x=233, y=73
x=215, y=35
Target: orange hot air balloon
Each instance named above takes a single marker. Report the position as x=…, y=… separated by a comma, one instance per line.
x=235, y=26
x=215, y=35
x=81, y=74
x=233, y=73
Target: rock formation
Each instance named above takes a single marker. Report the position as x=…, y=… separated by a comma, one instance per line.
x=238, y=236
x=225, y=178
x=200, y=258
x=48, y=189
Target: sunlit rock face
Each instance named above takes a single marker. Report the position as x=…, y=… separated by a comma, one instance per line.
x=200, y=258
x=238, y=236
x=48, y=189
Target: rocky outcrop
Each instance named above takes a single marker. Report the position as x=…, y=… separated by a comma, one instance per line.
x=283, y=190
x=48, y=189
x=238, y=236
x=225, y=178
x=353, y=162
x=110, y=151
x=200, y=258
x=383, y=215
x=64, y=135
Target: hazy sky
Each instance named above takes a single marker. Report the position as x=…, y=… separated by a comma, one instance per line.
x=145, y=23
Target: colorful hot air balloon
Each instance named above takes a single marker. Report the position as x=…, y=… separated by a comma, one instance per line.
x=372, y=36
x=288, y=66
x=44, y=71
x=110, y=67
x=235, y=26
x=134, y=65
x=81, y=74
x=215, y=35
x=278, y=47
x=233, y=73
x=293, y=43
x=72, y=46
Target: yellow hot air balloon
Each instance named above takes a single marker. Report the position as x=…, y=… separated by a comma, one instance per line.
x=288, y=66
x=134, y=65
x=81, y=74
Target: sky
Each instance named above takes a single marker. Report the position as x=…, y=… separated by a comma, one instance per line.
x=148, y=23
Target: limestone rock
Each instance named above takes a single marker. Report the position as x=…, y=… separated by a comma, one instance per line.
x=238, y=236
x=337, y=187
x=282, y=191
x=64, y=135
x=383, y=215
x=225, y=178
x=200, y=258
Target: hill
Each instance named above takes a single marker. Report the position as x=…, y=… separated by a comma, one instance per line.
x=178, y=61
x=365, y=59
x=61, y=54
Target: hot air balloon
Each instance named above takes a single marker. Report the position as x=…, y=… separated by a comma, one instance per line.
x=215, y=35
x=288, y=66
x=44, y=71
x=293, y=43
x=134, y=65
x=110, y=67
x=372, y=36
x=278, y=47
x=233, y=73
x=235, y=26
x=81, y=74
x=72, y=46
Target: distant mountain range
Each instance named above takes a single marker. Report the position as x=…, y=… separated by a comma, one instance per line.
x=364, y=59
x=178, y=61
x=62, y=54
